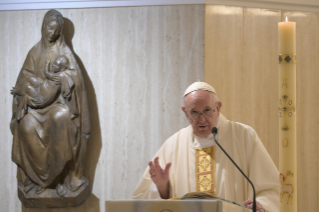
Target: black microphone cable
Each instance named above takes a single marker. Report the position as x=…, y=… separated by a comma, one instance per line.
x=214, y=131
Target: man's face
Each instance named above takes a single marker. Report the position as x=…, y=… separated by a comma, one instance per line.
x=200, y=103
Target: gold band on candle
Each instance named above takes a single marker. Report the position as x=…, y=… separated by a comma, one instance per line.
x=287, y=58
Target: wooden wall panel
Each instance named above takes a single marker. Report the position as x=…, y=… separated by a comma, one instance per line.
x=260, y=66
x=316, y=113
x=307, y=110
x=241, y=51
x=241, y=64
x=223, y=55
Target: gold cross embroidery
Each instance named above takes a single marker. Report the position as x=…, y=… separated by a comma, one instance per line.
x=205, y=166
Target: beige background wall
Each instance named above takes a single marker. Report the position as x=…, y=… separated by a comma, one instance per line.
x=241, y=61
x=138, y=61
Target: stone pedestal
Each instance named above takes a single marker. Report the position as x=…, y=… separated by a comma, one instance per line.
x=50, y=199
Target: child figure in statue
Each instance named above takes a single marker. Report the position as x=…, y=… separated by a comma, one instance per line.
x=40, y=94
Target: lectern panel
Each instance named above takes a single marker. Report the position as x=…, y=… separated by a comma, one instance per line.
x=172, y=206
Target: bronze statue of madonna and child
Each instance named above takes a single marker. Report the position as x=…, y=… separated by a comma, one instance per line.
x=50, y=122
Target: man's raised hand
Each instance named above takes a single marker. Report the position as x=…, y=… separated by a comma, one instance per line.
x=160, y=177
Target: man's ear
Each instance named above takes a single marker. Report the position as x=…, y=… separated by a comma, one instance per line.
x=184, y=110
x=218, y=106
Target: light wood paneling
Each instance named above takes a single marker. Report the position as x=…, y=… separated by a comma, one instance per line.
x=307, y=109
x=223, y=55
x=241, y=64
x=260, y=64
x=241, y=51
x=316, y=113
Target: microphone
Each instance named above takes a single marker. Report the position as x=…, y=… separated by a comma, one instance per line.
x=214, y=132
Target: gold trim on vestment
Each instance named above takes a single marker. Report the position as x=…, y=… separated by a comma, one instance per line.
x=205, y=166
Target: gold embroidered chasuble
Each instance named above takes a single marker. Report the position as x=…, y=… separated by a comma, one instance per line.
x=205, y=170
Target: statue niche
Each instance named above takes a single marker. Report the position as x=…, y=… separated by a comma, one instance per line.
x=50, y=122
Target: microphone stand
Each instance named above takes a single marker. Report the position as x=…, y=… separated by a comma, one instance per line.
x=214, y=131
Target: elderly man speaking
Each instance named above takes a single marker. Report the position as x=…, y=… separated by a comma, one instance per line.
x=190, y=161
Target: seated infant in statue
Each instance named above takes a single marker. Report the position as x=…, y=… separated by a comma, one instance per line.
x=40, y=94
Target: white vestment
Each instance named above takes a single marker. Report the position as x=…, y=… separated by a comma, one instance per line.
x=241, y=143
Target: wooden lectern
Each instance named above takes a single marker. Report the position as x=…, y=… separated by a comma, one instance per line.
x=193, y=205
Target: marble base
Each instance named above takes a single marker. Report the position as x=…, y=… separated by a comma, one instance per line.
x=50, y=199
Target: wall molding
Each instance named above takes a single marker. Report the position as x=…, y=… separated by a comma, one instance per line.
x=290, y=5
x=62, y=4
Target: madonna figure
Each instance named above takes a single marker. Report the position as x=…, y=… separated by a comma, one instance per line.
x=51, y=126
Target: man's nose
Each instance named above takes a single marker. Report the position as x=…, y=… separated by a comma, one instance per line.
x=201, y=118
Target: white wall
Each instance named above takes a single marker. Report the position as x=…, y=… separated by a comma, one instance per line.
x=137, y=62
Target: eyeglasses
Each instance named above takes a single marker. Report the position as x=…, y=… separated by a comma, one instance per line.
x=208, y=112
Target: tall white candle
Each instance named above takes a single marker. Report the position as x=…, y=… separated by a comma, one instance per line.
x=287, y=116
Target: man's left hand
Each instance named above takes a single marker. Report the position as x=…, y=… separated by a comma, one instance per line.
x=249, y=204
